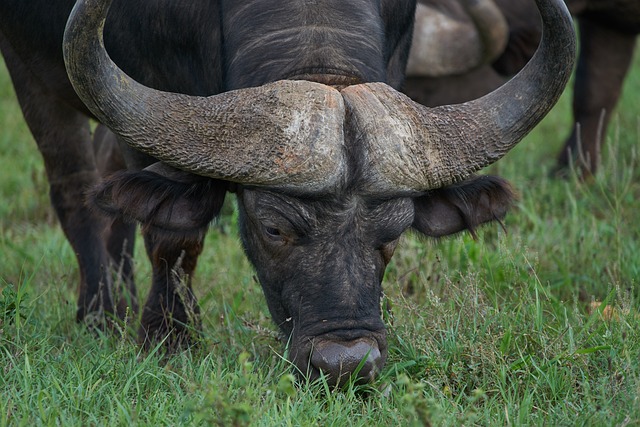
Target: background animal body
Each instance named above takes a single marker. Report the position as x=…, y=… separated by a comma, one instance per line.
x=336, y=315
x=608, y=32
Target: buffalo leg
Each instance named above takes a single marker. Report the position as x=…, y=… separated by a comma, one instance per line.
x=63, y=137
x=120, y=237
x=605, y=56
x=171, y=310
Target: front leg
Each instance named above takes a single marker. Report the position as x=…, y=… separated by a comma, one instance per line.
x=171, y=311
x=175, y=209
x=64, y=140
x=119, y=235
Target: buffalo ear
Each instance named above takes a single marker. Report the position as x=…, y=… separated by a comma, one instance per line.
x=462, y=206
x=159, y=202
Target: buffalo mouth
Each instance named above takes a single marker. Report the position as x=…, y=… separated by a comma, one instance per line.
x=341, y=357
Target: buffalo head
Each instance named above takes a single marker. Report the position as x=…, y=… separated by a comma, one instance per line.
x=330, y=164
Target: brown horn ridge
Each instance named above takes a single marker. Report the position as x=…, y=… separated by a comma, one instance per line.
x=290, y=134
x=412, y=148
x=287, y=134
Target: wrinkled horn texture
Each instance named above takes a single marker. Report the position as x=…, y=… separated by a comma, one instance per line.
x=287, y=134
x=412, y=148
x=291, y=134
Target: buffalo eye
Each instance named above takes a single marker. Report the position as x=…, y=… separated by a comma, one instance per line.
x=272, y=232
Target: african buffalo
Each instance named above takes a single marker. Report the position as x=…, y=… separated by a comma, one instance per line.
x=608, y=31
x=293, y=106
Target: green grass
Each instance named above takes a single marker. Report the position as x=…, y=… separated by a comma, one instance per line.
x=494, y=331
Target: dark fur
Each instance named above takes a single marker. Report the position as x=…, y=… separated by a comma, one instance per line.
x=320, y=261
x=463, y=206
x=174, y=209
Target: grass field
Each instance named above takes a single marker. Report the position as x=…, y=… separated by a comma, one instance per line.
x=493, y=331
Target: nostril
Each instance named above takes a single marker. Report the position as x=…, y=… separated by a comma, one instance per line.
x=341, y=359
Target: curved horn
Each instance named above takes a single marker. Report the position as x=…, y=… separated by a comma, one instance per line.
x=286, y=134
x=414, y=148
x=444, y=46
